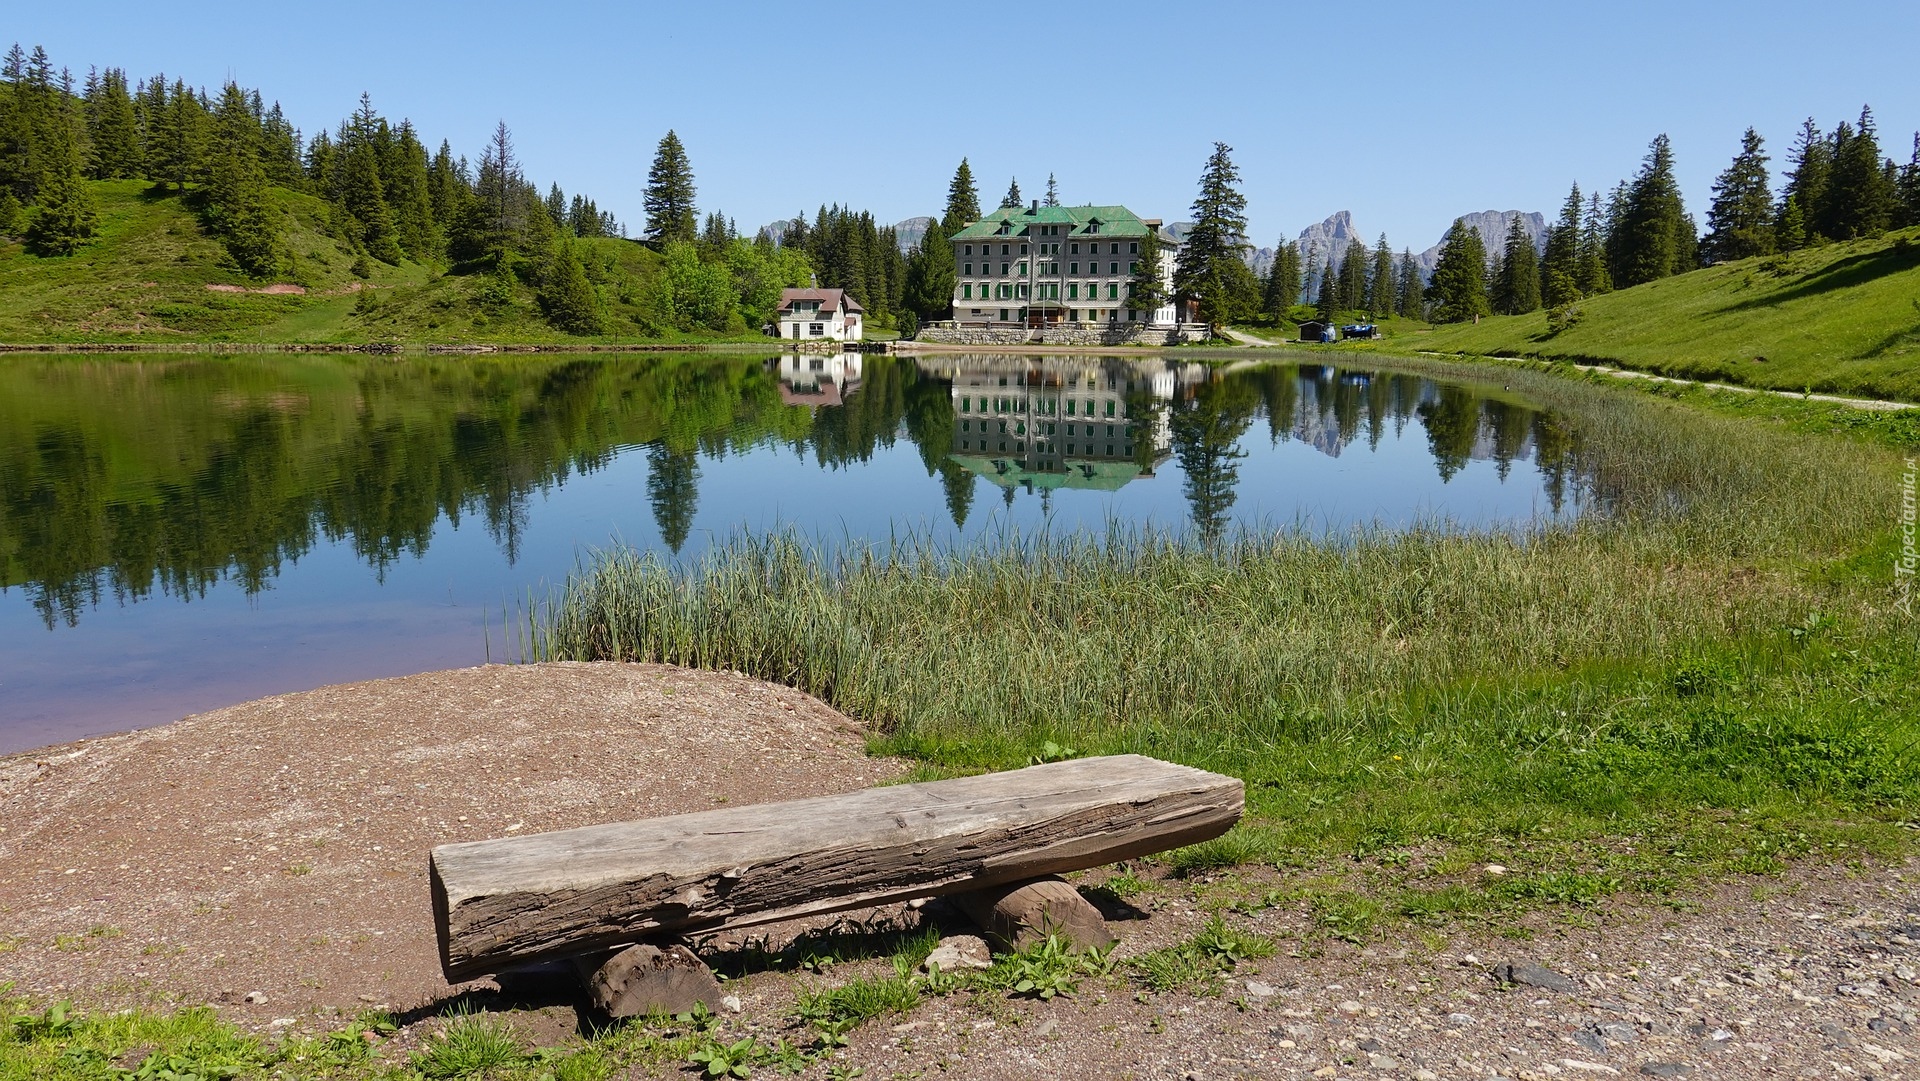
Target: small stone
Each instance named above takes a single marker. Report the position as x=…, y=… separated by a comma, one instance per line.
x=280, y=1022
x=1383, y=1062
x=957, y=952
x=1907, y=973
x=1348, y=1006
x=1261, y=990
x=908, y=1026
x=255, y=998
x=1591, y=1040
x=1835, y=1033
x=1425, y=1075
x=1495, y=869
x=1286, y=1043
x=1535, y=976
x=1326, y=1071
x=1460, y=1020
x=1047, y=1028
x=1370, y=1044
x=1860, y=990
x=1665, y=1069
x=1588, y=1067
x=731, y=1003
x=1616, y=1031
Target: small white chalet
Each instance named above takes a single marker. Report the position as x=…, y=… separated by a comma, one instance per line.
x=820, y=314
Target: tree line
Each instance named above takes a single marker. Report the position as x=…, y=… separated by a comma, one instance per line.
x=1838, y=186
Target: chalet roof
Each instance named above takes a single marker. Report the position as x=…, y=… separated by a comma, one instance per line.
x=1099, y=221
x=829, y=299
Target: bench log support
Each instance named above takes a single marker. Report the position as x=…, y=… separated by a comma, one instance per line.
x=1023, y=914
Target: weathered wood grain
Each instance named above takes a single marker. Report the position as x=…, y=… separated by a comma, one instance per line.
x=510, y=901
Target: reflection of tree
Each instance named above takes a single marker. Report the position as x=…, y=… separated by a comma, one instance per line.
x=119, y=477
x=673, y=489
x=1346, y=409
x=1206, y=440
x=1379, y=405
x=1553, y=452
x=1280, y=397
x=958, y=482
x=1511, y=425
x=1452, y=423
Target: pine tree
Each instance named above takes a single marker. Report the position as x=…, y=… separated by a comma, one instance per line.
x=1011, y=200
x=1859, y=200
x=566, y=296
x=64, y=218
x=930, y=275
x=1790, y=227
x=1381, y=286
x=1594, y=278
x=1411, y=302
x=1909, y=186
x=174, y=158
x=409, y=192
x=12, y=214
x=1655, y=236
x=963, y=201
x=1519, y=287
x=1053, y=193
x=1741, y=217
x=1283, y=281
x=236, y=205
x=1327, y=304
x=669, y=195
x=113, y=134
x=673, y=480
x=1353, y=275
x=1809, y=164
x=1560, y=266
x=1147, y=290
x=1459, y=286
x=1201, y=273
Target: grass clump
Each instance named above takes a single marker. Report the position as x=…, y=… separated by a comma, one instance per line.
x=470, y=1045
x=1199, y=963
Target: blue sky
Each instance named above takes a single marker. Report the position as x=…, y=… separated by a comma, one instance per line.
x=1406, y=114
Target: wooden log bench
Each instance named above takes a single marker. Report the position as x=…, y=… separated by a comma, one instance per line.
x=569, y=894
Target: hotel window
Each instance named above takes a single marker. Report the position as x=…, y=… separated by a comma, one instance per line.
x=1003, y=269
x=1073, y=249
x=1113, y=290
x=1073, y=291
x=1023, y=249
x=1003, y=249
x=1133, y=268
x=1113, y=268
x=1023, y=270
x=1116, y=247
x=1133, y=248
x=969, y=249
x=968, y=269
x=1073, y=268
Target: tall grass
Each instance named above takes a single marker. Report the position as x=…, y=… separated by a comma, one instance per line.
x=1374, y=680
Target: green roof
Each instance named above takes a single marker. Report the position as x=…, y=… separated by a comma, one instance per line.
x=1113, y=221
x=1092, y=474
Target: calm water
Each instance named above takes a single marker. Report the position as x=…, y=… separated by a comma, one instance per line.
x=178, y=534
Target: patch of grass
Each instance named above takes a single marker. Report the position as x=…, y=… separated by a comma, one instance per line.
x=470, y=1045
x=1842, y=319
x=1199, y=963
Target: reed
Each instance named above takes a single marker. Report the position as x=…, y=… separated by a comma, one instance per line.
x=1713, y=633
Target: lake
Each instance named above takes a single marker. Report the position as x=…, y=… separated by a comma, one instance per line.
x=182, y=533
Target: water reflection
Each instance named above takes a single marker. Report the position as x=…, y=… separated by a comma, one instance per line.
x=120, y=478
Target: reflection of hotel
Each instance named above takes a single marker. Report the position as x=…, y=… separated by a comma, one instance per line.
x=816, y=379
x=1059, y=422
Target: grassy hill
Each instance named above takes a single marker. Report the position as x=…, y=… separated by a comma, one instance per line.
x=1843, y=318
x=153, y=275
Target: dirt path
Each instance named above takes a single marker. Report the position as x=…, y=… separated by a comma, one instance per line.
x=280, y=846
x=1873, y=404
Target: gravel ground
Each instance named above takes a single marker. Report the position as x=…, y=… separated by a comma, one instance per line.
x=275, y=851
x=279, y=847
